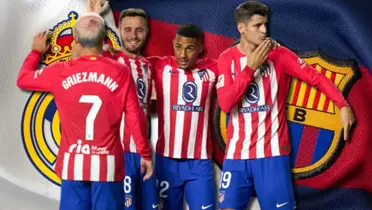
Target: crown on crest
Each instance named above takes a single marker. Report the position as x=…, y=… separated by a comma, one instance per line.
x=58, y=52
x=63, y=52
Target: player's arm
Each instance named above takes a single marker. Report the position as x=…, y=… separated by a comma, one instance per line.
x=137, y=124
x=135, y=115
x=295, y=67
x=29, y=77
x=229, y=90
x=102, y=7
x=155, y=66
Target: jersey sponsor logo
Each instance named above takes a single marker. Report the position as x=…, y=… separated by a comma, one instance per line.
x=314, y=121
x=252, y=95
x=189, y=92
x=41, y=130
x=189, y=95
x=141, y=88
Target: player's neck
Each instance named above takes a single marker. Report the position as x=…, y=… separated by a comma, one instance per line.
x=246, y=47
x=90, y=51
x=131, y=55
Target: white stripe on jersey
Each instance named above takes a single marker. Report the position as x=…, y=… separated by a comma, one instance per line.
x=66, y=158
x=146, y=74
x=133, y=67
x=260, y=151
x=78, y=166
x=247, y=119
x=233, y=69
x=248, y=131
x=234, y=115
x=180, y=117
x=110, y=168
x=274, y=113
x=166, y=95
x=122, y=126
x=194, y=121
x=94, y=168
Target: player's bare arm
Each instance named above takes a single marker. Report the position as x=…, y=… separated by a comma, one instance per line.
x=97, y=6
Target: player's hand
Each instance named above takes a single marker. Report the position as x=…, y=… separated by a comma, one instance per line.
x=97, y=6
x=258, y=56
x=39, y=42
x=147, y=167
x=347, y=120
x=274, y=43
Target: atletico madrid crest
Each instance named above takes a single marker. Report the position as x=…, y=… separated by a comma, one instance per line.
x=128, y=200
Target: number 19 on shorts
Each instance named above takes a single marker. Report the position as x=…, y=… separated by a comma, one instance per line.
x=225, y=179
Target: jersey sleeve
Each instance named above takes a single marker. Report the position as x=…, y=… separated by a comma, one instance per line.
x=136, y=117
x=31, y=78
x=296, y=67
x=229, y=90
x=155, y=64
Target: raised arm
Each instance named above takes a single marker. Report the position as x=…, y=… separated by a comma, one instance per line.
x=103, y=8
x=31, y=78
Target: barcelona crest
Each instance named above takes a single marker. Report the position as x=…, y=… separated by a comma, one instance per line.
x=314, y=122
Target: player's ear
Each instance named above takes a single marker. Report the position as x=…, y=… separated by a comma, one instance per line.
x=241, y=27
x=75, y=38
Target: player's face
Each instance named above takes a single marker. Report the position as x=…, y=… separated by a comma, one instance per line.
x=254, y=30
x=186, y=51
x=133, y=33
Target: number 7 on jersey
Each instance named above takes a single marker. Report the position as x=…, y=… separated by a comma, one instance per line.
x=89, y=121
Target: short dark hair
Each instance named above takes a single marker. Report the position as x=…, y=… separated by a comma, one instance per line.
x=190, y=30
x=249, y=8
x=133, y=12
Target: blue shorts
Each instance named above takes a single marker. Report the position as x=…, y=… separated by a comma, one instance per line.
x=192, y=178
x=86, y=195
x=138, y=194
x=270, y=178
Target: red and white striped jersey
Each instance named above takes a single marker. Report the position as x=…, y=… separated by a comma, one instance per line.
x=91, y=93
x=141, y=72
x=184, y=100
x=256, y=101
